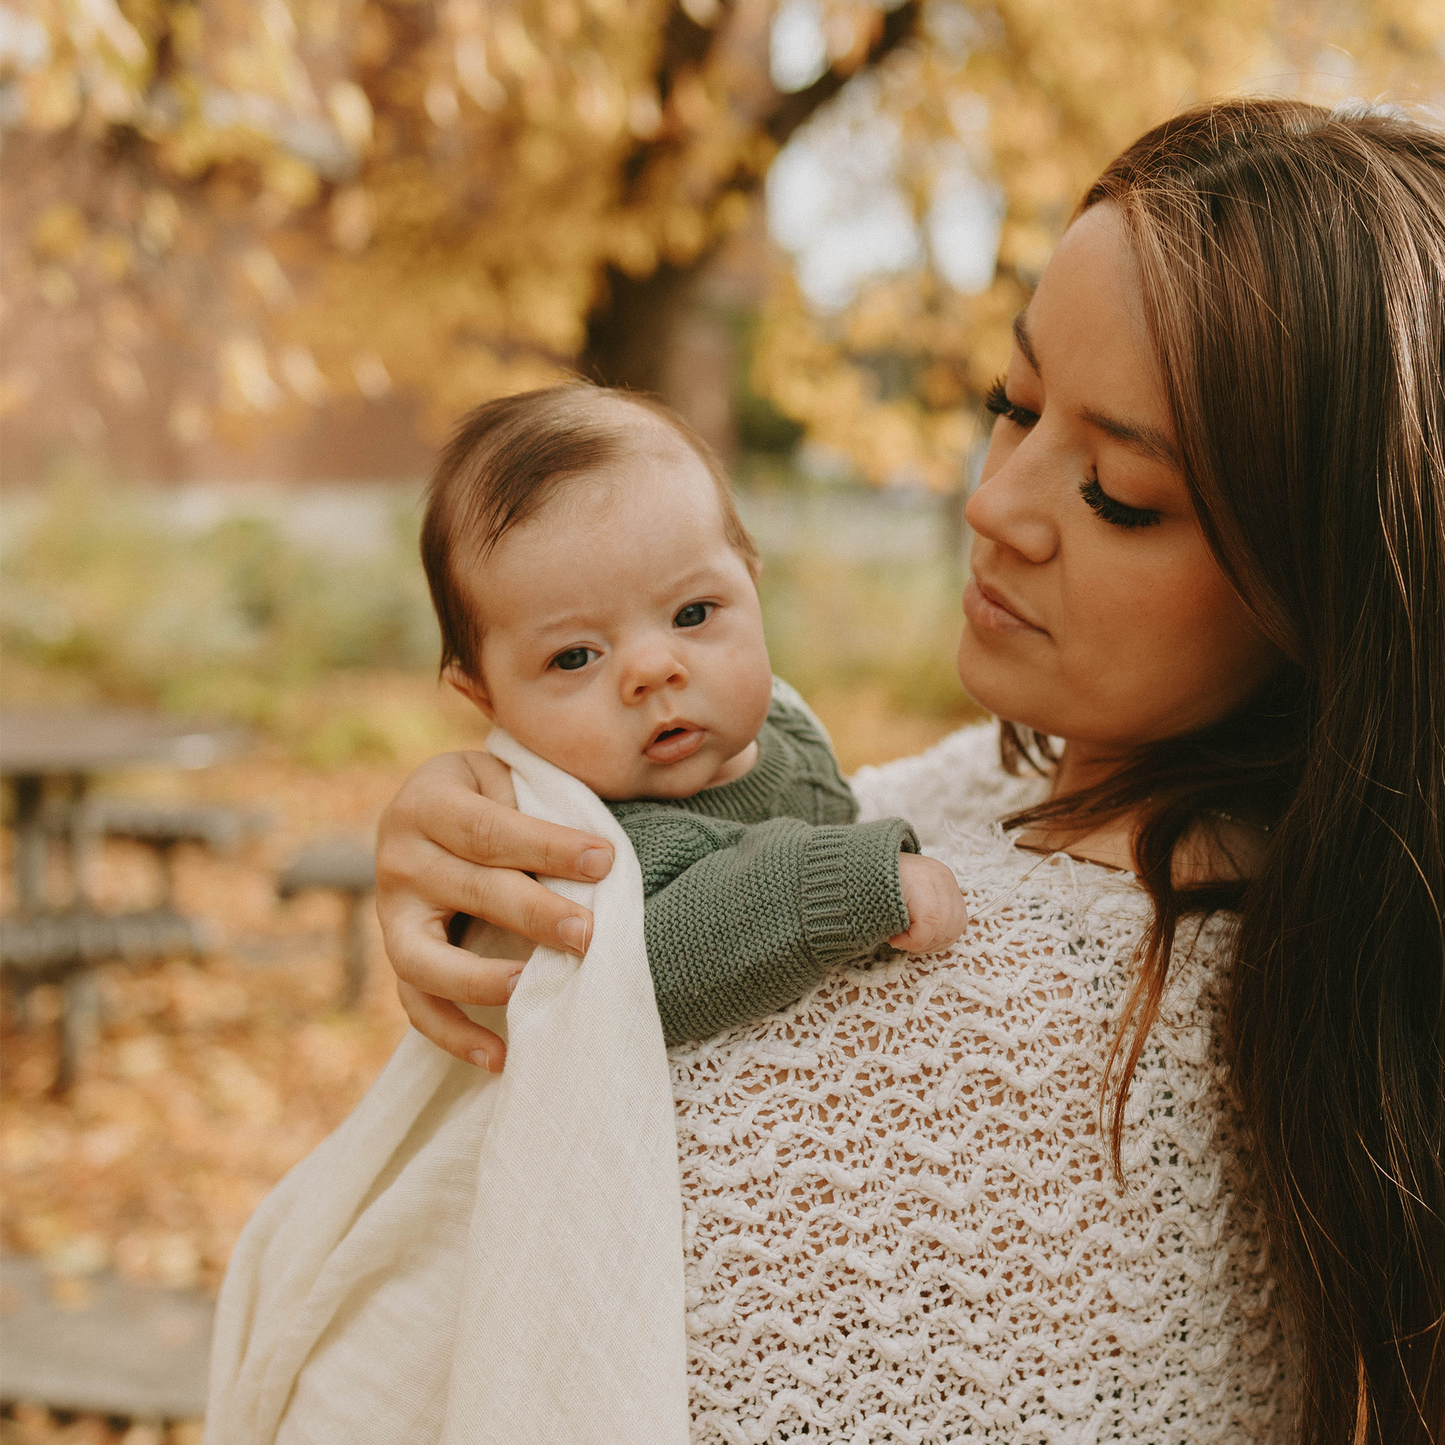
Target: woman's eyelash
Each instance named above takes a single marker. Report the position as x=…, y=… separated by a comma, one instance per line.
x=996, y=400
x=1115, y=513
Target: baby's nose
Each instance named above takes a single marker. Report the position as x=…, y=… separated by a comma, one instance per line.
x=650, y=671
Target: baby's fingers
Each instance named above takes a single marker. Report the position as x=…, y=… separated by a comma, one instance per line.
x=956, y=916
x=937, y=913
x=926, y=935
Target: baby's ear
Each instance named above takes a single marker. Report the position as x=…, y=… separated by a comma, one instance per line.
x=470, y=688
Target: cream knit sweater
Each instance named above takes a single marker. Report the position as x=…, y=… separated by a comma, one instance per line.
x=900, y=1217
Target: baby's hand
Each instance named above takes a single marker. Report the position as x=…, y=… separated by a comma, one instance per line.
x=936, y=910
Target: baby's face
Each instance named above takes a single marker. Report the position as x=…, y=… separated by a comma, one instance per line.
x=623, y=640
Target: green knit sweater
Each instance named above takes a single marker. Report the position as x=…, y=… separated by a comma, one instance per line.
x=757, y=887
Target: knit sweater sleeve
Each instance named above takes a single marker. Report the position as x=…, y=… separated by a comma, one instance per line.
x=742, y=920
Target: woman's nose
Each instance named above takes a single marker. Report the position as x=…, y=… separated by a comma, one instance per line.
x=649, y=669
x=1010, y=507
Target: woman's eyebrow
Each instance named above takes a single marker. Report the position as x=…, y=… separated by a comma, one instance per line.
x=1025, y=341
x=1138, y=436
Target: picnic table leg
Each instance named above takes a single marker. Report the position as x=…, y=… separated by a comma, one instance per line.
x=30, y=843
x=79, y=1024
x=166, y=857
x=355, y=934
x=78, y=839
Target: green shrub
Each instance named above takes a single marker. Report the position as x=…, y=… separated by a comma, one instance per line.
x=840, y=625
x=230, y=622
x=102, y=600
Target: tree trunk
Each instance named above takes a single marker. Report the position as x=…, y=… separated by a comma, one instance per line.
x=631, y=332
x=658, y=335
x=654, y=333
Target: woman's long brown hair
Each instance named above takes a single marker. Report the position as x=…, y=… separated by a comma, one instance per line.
x=1293, y=267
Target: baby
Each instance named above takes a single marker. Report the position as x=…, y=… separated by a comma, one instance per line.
x=597, y=599
x=463, y=1243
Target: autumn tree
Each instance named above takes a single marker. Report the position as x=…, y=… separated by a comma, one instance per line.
x=235, y=209
x=257, y=204
x=1033, y=98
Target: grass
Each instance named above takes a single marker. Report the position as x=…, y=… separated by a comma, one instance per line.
x=334, y=658
x=103, y=597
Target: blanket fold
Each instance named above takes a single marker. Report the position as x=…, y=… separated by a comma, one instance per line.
x=473, y=1257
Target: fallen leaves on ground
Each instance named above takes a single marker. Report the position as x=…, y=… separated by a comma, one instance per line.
x=210, y=1077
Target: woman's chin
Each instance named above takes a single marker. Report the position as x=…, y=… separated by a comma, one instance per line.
x=993, y=684
x=1015, y=693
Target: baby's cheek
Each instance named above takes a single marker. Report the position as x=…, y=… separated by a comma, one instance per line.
x=599, y=758
x=751, y=690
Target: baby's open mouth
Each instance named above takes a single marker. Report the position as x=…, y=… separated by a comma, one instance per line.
x=675, y=742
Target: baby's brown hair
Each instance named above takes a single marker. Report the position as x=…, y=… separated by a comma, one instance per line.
x=506, y=459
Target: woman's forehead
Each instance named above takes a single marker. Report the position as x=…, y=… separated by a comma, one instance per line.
x=1086, y=335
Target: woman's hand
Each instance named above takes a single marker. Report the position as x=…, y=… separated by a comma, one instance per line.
x=936, y=910
x=451, y=842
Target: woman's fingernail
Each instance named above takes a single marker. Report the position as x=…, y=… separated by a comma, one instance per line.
x=482, y=1059
x=512, y=981
x=573, y=933
x=595, y=863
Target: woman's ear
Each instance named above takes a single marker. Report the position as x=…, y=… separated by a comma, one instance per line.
x=470, y=688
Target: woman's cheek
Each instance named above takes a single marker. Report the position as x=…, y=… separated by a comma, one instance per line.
x=1191, y=653
x=1122, y=635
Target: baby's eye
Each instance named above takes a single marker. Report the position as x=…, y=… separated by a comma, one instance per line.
x=574, y=658
x=693, y=615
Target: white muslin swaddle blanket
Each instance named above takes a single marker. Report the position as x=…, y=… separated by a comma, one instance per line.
x=483, y=1258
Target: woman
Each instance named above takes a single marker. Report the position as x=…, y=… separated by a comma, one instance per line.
x=1022, y=1191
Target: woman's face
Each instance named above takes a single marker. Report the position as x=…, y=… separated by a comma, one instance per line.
x=1096, y=612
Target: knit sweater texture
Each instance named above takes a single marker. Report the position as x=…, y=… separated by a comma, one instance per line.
x=756, y=888
x=901, y=1221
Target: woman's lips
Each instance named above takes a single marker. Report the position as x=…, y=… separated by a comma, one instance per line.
x=674, y=743
x=985, y=609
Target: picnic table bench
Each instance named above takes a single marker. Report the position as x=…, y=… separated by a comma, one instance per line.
x=345, y=866
x=48, y=760
x=164, y=828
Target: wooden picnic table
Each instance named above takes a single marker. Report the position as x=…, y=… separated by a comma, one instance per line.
x=41, y=747
x=48, y=759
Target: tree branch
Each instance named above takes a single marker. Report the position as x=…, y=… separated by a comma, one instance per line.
x=898, y=26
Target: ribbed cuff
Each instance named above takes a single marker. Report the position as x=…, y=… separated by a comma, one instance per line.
x=852, y=895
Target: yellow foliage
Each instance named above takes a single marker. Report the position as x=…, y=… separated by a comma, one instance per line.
x=1060, y=86
x=59, y=233
x=429, y=194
